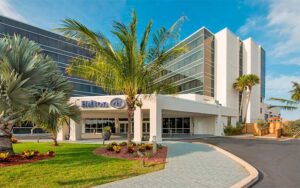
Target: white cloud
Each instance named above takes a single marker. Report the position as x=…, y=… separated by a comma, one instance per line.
x=283, y=22
x=7, y=10
x=246, y=28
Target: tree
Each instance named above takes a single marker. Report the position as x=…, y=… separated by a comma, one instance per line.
x=26, y=90
x=130, y=67
x=245, y=83
x=240, y=86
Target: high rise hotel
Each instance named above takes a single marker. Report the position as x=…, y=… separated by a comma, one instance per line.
x=204, y=76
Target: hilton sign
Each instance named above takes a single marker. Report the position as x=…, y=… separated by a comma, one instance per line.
x=115, y=103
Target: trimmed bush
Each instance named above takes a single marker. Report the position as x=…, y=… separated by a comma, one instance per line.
x=109, y=147
x=229, y=130
x=117, y=149
x=148, y=146
x=142, y=148
x=123, y=144
x=130, y=148
x=4, y=156
x=28, y=154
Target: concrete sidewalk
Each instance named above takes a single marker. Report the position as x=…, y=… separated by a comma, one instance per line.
x=189, y=165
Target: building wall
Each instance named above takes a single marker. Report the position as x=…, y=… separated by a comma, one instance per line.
x=227, y=67
x=57, y=47
x=204, y=125
x=252, y=60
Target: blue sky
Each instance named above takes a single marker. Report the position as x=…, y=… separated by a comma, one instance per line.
x=272, y=23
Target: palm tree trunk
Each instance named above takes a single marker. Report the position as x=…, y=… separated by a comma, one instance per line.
x=241, y=105
x=247, y=105
x=54, y=138
x=130, y=112
x=6, y=144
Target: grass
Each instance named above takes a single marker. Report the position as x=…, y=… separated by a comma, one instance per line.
x=73, y=166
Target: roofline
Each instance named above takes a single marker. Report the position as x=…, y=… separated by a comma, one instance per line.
x=36, y=27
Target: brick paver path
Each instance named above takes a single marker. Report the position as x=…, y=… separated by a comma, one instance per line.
x=189, y=165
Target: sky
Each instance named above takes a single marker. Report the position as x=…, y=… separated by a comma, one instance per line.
x=274, y=24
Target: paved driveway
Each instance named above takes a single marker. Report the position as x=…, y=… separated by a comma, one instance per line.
x=189, y=165
x=277, y=161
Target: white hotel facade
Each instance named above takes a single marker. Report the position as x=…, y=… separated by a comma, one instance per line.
x=206, y=100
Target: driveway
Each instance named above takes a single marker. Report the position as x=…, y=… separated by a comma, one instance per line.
x=189, y=165
x=277, y=161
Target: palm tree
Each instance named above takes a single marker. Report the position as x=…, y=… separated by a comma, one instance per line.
x=130, y=67
x=240, y=86
x=26, y=89
x=245, y=83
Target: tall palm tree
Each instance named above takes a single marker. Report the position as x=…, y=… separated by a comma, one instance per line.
x=27, y=91
x=129, y=67
x=240, y=86
x=245, y=83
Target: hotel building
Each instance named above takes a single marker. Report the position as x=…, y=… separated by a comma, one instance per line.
x=206, y=101
x=57, y=47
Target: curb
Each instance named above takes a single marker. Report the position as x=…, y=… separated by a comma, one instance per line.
x=249, y=180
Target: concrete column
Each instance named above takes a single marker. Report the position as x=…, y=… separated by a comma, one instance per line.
x=138, y=125
x=75, y=132
x=218, y=124
x=117, y=125
x=61, y=133
x=155, y=122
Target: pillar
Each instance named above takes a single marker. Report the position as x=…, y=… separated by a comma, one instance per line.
x=218, y=124
x=117, y=125
x=75, y=130
x=155, y=122
x=138, y=125
x=61, y=133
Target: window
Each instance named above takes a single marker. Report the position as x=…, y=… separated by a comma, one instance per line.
x=96, y=125
x=176, y=126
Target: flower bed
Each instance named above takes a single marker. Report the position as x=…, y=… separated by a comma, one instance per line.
x=134, y=152
x=27, y=156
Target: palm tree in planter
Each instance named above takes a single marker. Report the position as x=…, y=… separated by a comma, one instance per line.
x=246, y=83
x=130, y=67
x=24, y=86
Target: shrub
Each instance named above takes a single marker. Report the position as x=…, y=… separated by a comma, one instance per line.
x=159, y=146
x=229, y=130
x=133, y=143
x=292, y=129
x=142, y=148
x=109, y=147
x=4, y=156
x=148, y=146
x=130, y=148
x=148, y=154
x=106, y=129
x=123, y=144
x=28, y=154
x=14, y=140
x=50, y=153
x=114, y=143
x=117, y=149
x=262, y=124
x=36, y=152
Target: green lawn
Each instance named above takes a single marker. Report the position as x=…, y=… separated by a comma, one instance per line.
x=73, y=166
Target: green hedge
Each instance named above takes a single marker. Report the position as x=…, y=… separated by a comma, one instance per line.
x=229, y=130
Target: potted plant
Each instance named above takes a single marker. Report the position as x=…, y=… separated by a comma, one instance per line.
x=106, y=133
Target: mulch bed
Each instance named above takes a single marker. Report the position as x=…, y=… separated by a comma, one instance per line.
x=158, y=158
x=18, y=160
